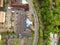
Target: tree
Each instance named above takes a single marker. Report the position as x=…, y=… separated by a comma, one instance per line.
x=59, y=41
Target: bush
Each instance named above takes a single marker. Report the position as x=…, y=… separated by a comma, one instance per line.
x=5, y=1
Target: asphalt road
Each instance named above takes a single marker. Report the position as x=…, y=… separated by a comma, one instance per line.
x=35, y=21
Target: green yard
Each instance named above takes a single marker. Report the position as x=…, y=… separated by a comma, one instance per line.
x=15, y=42
x=1, y=42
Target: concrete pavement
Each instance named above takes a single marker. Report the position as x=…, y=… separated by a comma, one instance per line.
x=8, y=18
x=21, y=22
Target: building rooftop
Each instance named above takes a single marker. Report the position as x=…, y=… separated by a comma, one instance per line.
x=19, y=3
x=1, y=3
x=2, y=16
x=24, y=2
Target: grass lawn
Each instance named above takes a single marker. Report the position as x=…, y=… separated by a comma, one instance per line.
x=16, y=42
